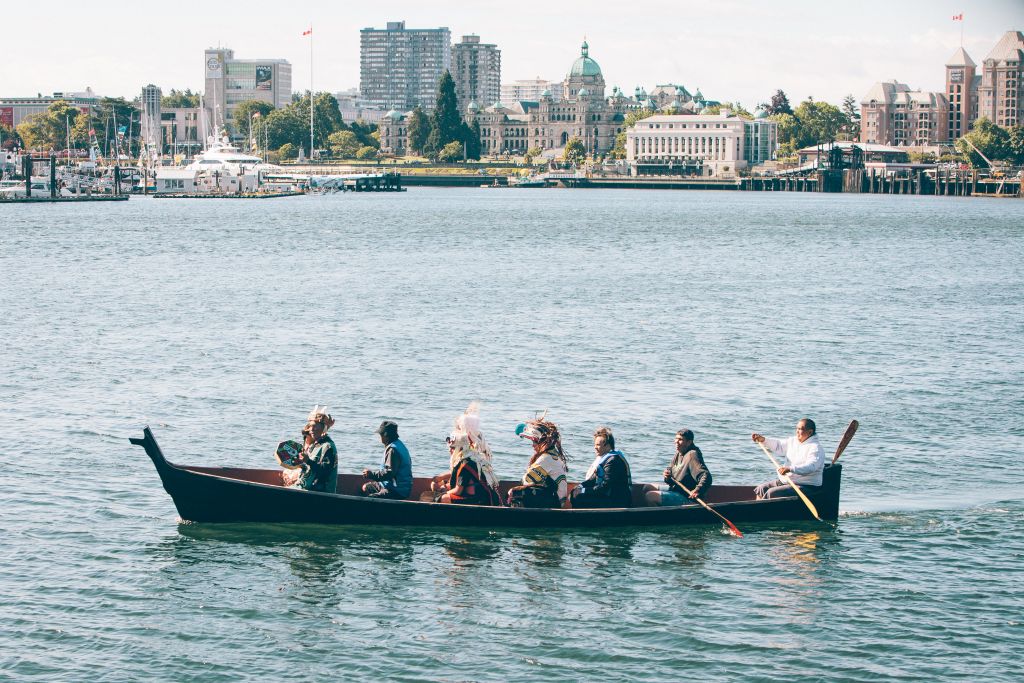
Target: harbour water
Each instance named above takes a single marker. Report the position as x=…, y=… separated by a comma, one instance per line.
x=221, y=323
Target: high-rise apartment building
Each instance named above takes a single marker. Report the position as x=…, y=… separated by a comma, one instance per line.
x=150, y=133
x=476, y=68
x=962, y=93
x=1001, y=76
x=230, y=81
x=399, y=68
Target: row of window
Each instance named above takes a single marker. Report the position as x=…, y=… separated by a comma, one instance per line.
x=712, y=147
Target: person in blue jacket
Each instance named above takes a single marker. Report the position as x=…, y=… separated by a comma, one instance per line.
x=394, y=478
x=608, y=483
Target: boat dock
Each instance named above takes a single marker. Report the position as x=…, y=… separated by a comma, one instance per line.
x=55, y=200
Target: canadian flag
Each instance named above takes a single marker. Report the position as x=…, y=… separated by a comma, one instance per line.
x=958, y=17
x=309, y=31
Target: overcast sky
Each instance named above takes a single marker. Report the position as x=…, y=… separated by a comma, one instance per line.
x=731, y=50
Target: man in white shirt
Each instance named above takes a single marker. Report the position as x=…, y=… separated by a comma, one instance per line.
x=804, y=463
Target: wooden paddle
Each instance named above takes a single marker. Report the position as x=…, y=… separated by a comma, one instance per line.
x=786, y=479
x=732, y=527
x=845, y=441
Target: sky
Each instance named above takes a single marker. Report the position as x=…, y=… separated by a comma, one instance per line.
x=731, y=50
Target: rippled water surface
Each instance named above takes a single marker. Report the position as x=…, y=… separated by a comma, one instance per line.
x=219, y=323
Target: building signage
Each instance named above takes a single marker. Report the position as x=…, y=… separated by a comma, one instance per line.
x=956, y=76
x=264, y=76
x=7, y=116
x=213, y=66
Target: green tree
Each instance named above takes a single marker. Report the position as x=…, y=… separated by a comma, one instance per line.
x=532, y=154
x=285, y=126
x=366, y=133
x=779, y=104
x=986, y=137
x=735, y=107
x=9, y=138
x=451, y=152
x=344, y=144
x=445, y=121
x=418, y=127
x=48, y=130
x=244, y=112
x=366, y=152
x=619, y=150
x=471, y=136
x=288, y=151
x=178, y=99
x=574, y=152
x=1016, y=144
x=851, y=112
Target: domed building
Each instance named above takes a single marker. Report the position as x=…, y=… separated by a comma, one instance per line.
x=583, y=112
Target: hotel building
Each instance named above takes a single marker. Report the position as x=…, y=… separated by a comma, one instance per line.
x=527, y=91
x=1002, y=72
x=893, y=114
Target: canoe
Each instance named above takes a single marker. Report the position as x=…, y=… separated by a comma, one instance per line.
x=231, y=494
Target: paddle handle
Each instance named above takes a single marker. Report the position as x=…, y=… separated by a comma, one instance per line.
x=851, y=429
x=707, y=507
x=786, y=479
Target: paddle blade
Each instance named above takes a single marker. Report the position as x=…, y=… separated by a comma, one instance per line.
x=732, y=528
x=847, y=437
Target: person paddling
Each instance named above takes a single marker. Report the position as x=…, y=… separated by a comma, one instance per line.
x=687, y=468
x=804, y=463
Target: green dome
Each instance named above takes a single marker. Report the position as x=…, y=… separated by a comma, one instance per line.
x=584, y=66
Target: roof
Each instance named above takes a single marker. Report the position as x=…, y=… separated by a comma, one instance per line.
x=960, y=58
x=1010, y=46
x=584, y=65
x=865, y=146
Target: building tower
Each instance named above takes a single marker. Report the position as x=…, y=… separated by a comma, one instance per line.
x=962, y=93
x=400, y=68
x=1001, y=71
x=150, y=124
x=476, y=68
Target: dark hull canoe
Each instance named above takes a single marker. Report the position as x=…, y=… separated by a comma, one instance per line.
x=226, y=494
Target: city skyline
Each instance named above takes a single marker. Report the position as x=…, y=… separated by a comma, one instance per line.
x=731, y=50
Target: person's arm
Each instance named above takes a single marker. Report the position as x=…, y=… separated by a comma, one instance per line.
x=701, y=476
x=614, y=475
x=776, y=446
x=388, y=471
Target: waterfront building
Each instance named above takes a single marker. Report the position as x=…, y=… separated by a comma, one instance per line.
x=962, y=94
x=476, y=69
x=526, y=91
x=706, y=145
x=582, y=111
x=231, y=81
x=1001, y=76
x=873, y=155
x=13, y=110
x=180, y=132
x=399, y=68
x=893, y=114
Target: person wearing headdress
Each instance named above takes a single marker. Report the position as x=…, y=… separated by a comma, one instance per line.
x=394, y=478
x=471, y=480
x=318, y=463
x=544, y=484
x=687, y=468
x=608, y=483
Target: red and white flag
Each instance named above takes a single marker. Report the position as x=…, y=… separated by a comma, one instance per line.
x=958, y=17
x=309, y=31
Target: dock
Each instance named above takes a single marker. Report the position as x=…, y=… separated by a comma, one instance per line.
x=62, y=200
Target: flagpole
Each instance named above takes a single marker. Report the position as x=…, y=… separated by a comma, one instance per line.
x=311, y=92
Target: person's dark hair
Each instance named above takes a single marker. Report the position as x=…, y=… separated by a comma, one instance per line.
x=686, y=434
x=388, y=429
x=809, y=425
x=609, y=438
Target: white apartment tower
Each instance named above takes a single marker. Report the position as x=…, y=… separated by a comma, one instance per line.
x=399, y=68
x=476, y=68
